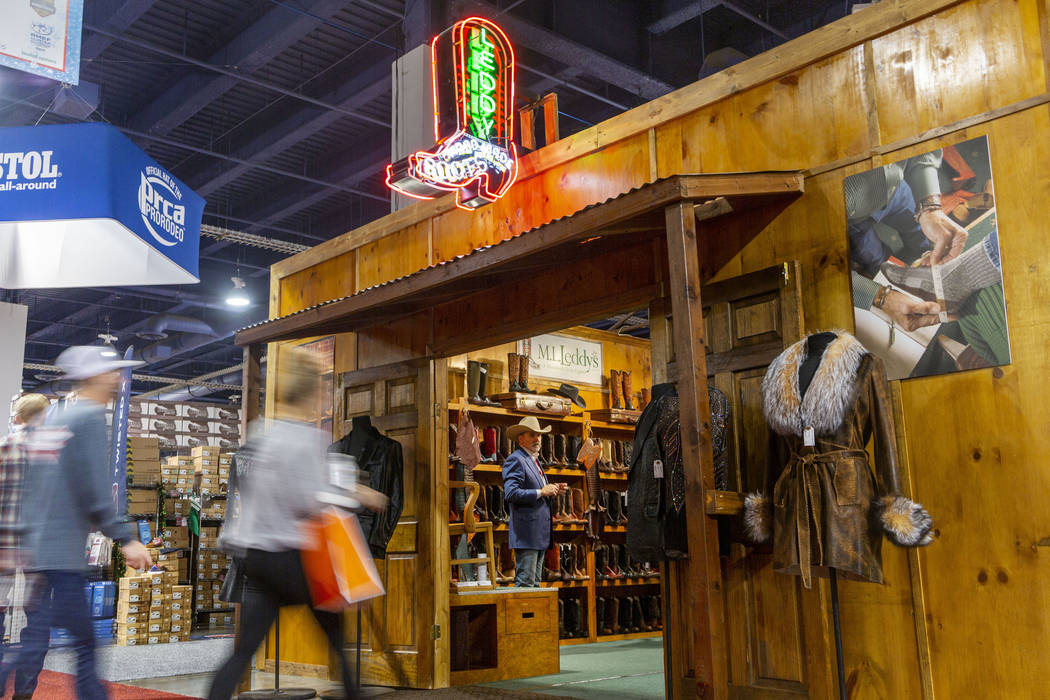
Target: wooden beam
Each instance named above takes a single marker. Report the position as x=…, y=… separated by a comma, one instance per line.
x=251, y=378
x=708, y=614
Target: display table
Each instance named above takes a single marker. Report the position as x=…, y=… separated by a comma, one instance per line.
x=504, y=633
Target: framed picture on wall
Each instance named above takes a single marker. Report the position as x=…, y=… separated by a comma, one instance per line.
x=925, y=269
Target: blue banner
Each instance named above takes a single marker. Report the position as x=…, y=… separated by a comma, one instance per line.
x=119, y=450
x=43, y=37
x=89, y=172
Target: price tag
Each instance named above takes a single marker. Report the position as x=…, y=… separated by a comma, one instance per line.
x=658, y=469
x=809, y=439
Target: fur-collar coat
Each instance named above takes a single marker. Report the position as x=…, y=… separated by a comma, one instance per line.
x=830, y=507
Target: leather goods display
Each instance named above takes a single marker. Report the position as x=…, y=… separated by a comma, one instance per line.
x=542, y=404
x=338, y=565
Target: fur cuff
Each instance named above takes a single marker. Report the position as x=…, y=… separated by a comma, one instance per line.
x=758, y=517
x=905, y=522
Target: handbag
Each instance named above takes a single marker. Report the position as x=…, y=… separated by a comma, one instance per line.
x=337, y=562
x=233, y=585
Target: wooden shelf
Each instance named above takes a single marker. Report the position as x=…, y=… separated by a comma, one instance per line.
x=489, y=468
x=605, y=425
x=499, y=412
x=633, y=581
x=613, y=476
x=614, y=528
x=575, y=640
x=632, y=635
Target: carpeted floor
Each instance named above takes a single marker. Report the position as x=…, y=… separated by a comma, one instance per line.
x=59, y=686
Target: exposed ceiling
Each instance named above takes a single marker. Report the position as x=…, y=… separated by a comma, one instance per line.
x=278, y=113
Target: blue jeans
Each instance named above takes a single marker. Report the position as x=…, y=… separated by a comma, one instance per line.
x=25, y=681
x=866, y=249
x=59, y=601
x=528, y=567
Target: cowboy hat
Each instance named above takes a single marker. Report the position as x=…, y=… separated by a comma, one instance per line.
x=569, y=392
x=527, y=423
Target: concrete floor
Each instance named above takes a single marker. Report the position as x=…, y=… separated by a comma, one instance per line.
x=621, y=670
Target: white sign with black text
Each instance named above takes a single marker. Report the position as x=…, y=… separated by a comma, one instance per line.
x=566, y=359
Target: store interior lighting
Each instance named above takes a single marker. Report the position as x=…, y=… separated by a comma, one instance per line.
x=238, y=296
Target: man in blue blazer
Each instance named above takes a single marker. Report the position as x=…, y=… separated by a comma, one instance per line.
x=526, y=489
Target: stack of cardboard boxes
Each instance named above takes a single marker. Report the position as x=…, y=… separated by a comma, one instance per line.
x=175, y=537
x=177, y=474
x=143, y=461
x=152, y=609
x=206, y=463
x=212, y=566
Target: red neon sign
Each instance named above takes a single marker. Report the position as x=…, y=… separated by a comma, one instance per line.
x=474, y=155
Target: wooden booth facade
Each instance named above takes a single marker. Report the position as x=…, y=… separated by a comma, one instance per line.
x=639, y=212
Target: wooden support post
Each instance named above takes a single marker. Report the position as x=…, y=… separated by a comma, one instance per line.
x=708, y=614
x=251, y=378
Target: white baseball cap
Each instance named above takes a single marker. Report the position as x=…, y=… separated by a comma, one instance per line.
x=86, y=361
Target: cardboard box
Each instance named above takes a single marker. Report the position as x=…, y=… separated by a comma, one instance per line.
x=134, y=582
x=124, y=608
x=181, y=592
x=204, y=451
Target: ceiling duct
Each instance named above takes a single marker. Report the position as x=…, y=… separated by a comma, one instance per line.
x=157, y=327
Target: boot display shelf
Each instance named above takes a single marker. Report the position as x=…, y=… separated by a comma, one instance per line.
x=581, y=596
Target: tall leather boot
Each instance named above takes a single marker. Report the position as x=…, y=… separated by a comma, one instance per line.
x=565, y=556
x=612, y=558
x=580, y=569
x=546, y=457
x=599, y=614
x=612, y=512
x=559, y=449
x=605, y=461
x=599, y=562
x=581, y=619
x=523, y=374
x=612, y=615
x=626, y=564
x=578, y=506
x=489, y=444
x=552, y=565
x=473, y=380
x=512, y=372
x=639, y=616
x=570, y=619
x=625, y=616
x=483, y=379
x=617, y=456
x=628, y=397
x=561, y=620
x=615, y=389
x=505, y=444
x=644, y=400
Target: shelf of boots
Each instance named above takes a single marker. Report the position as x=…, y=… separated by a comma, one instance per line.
x=549, y=471
x=500, y=412
x=619, y=477
x=628, y=581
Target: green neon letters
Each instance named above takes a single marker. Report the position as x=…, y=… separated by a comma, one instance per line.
x=482, y=83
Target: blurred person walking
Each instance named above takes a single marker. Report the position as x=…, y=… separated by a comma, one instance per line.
x=29, y=411
x=68, y=495
x=278, y=493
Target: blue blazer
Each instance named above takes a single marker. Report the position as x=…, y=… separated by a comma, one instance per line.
x=530, y=514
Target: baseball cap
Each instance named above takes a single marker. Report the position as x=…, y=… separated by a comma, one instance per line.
x=86, y=361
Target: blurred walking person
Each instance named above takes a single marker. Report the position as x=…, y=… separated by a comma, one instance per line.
x=68, y=495
x=29, y=411
x=278, y=493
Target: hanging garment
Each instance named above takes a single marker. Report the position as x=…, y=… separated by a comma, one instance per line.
x=656, y=525
x=381, y=467
x=823, y=505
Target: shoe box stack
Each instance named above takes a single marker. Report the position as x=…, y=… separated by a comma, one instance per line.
x=212, y=565
x=143, y=459
x=175, y=560
x=142, y=501
x=215, y=510
x=182, y=424
x=152, y=608
x=177, y=474
x=207, y=462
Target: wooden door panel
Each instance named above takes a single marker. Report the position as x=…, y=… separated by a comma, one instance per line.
x=401, y=625
x=776, y=632
x=756, y=320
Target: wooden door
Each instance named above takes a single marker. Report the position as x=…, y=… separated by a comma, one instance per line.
x=399, y=630
x=776, y=631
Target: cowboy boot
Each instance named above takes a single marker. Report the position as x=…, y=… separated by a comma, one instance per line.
x=639, y=616
x=570, y=563
x=481, y=507
x=611, y=558
x=473, y=381
x=504, y=514
x=489, y=444
x=483, y=371
x=625, y=616
x=599, y=562
x=580, y=564
x=512, y=371
x=599, y=614
x=546, y=459
x=572, y=448
x=576, y=496
x=612, y=615
x=552, y=565
x=615, y=389
x=561, y=619
x=559, y=449
x=628, y=454
x=523, y=374
x=605, y=461
x=627, y=564
x=623, y=508
x=505, y=444
x=628, y=398
x=556, y=511
x=506, y=564
x=617, y=456
x=581, y=619
x=645, y=398
x=452, y=432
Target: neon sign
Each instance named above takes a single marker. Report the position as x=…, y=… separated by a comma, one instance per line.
x=474, y=155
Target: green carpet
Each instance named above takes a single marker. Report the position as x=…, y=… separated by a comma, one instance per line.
x=621, y=670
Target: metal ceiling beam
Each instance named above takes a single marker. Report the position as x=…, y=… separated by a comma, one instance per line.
x=755, y=20
x=571, y=53
x=370, y=83
x=266, y=38
x=115, y=16
x=79, y=316
x=226, y=71
x=682, y=15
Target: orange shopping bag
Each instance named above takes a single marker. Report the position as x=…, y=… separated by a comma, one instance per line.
x=338, y=564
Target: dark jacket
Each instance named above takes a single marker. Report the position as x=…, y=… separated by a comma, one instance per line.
x=826, y=498
x=382, y=466
x=530, y=514
x=656, y=525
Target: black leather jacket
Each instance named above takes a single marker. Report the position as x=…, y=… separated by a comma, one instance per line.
x=381, y=465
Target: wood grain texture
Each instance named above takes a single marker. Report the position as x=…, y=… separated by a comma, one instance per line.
x=329, y=279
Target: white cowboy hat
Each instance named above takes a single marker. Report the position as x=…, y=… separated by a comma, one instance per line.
x=86, y=361
x=527, y=423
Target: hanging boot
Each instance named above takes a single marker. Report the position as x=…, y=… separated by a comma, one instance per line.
x=483, y=378
x=615, y=389
x=523, y=374
x=473, y=381
x=628, y=396
x=599, y=615
x=512, y=372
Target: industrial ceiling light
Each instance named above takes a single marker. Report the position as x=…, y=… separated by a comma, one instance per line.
x=107, y=345
x=238, y=296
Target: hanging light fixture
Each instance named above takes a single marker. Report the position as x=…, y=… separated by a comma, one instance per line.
x=238, y=296
x=107, y=344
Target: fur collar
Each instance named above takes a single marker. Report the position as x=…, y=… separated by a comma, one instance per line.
x=830, y=394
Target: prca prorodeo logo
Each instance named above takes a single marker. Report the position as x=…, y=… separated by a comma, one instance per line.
x=159, y=202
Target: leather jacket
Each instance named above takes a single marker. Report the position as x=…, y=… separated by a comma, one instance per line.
x=381, y=466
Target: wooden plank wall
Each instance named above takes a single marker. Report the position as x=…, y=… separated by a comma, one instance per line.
x=970, y=615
